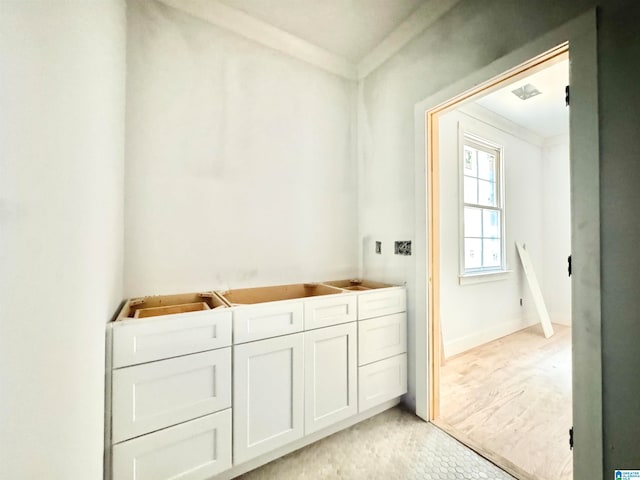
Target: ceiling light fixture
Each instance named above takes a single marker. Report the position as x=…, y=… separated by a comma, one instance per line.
x=526, y=92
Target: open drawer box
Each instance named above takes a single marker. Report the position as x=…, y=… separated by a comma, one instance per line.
x=357, y=284
x=265, y=312
x=249, y=296
x=159, y=305
x=375, y=299
x=164, y=326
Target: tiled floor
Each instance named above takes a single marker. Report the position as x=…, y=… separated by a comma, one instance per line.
x=394, y=445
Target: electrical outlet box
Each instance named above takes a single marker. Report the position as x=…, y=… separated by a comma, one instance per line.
x=378, y=247
x=403, y=247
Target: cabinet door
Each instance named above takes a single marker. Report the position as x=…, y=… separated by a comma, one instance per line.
x=382, y=381
x=330, y=363
x=195, y=450
x=160, y=394
x=268, y=394
x=382, y=337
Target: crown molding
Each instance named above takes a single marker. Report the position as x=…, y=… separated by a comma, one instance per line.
x=249, y=27
x=489, y=117
x=245, y=25
x=415, y=24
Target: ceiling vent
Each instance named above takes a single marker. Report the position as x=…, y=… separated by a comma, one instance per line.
x=526, y=92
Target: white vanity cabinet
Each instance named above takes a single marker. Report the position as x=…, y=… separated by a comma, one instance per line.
x=268, y=395
x=331, y=385
x=212, y=384
x=382, y=346
x=169, y=389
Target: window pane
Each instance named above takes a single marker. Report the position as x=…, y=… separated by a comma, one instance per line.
x=482, y=212
x=490, y=223
x=470, y=164
x=486, y=166
x=472, y=222
x=486, y=193
x=472, y=253
x=470, y=190
x=491, y=256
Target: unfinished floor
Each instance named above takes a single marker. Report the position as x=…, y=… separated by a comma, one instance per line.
x=512, y=397
x=395, y=445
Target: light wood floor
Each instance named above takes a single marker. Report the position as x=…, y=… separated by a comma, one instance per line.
x=513, y=397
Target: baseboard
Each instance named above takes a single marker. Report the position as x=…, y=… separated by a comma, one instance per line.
x=561, y=318
x=475, y=339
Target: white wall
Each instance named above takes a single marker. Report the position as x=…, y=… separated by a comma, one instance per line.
x=61, y=196
x=556, y=228
x=240, y=167
x=476, y=313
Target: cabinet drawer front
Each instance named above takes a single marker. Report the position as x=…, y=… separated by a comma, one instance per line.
x=332, y=310
x=268, y=379
x=382, y=302
x=382, y=381
x=382, y=337
x=159, y=394
x=330, y=378
x=140, y=341
x=195, y=450
x=256, y=322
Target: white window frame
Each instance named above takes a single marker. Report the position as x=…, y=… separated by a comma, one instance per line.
x=465, y=136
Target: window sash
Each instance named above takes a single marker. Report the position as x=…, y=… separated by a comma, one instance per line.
x=495, y=151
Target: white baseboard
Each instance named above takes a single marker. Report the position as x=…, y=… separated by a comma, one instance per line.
x=561, y=318
x=475, y=339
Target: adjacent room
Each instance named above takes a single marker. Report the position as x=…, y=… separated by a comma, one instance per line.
x=504, y=179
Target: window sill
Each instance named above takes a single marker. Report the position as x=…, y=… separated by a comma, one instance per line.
x=483, y=277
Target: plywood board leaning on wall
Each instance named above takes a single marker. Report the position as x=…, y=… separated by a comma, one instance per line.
x=541, y=308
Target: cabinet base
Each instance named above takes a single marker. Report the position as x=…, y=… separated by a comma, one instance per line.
x=303, y=442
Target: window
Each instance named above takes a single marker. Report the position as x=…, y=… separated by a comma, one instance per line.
x=482, y=243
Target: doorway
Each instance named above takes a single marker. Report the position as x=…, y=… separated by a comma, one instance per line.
x=503, y=177
x=586, y=170
x=581, y=34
